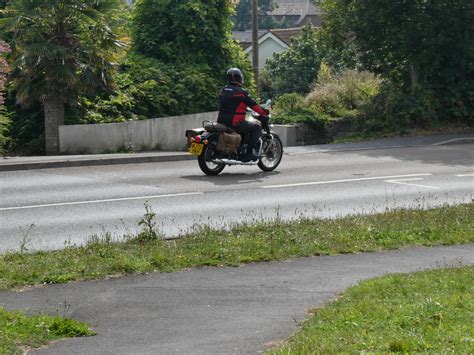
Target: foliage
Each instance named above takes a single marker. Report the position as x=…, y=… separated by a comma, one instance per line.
x=191, y=32
x=243, y=15
x=423, y=312
x=395, y=110
x=335, y=41
x=263, y=241
x=342, y=94
x=290, y=109
x=4, y=121
x=288, y=102
x=148, y=88
x=19, y=330
x=334, y=95
x=26, y=130
x=417, y=44
x=61, y=48
x=174, y=68
x=295, y=69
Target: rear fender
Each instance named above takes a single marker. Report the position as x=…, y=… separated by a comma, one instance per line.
x=190, y=133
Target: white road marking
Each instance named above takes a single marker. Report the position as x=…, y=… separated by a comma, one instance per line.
x=403, y=182
x=99, y=201
x=341, y=181
x=465, y=175
x=453, y=140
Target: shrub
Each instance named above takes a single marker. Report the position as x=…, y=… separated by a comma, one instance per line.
x=395, y=110
x=342, y=94
x=288, y=102
x=26, y=129
x=302, y=115
x=148, y=88
x=4, y=123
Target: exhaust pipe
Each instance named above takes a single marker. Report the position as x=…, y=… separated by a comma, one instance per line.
x=233, y=162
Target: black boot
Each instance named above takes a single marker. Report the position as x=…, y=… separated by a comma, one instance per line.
x=249, y=156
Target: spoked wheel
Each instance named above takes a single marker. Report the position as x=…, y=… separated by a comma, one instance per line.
x=272, y=153
x=206, y=164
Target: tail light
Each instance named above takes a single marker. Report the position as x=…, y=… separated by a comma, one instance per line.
x=197, y=139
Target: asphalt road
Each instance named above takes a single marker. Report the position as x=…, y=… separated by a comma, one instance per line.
x=43, y=209
x=214, y=310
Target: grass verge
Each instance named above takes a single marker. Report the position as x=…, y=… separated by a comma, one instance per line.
x=414, y=313
x=243, y=244
x=19, y=332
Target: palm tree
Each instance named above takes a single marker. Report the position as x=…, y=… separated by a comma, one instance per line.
x=60, y=49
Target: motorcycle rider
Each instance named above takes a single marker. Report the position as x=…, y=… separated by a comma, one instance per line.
x=234, y=100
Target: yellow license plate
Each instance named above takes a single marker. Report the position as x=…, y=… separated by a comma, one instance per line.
x=196, y=149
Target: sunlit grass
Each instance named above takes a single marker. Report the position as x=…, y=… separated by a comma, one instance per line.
x=19, y=331
x=426, y=312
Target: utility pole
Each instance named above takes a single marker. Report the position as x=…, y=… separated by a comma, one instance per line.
x=255, y=43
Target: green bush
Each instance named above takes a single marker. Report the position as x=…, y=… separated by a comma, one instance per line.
x=4, y=123
x=301, y=115
x=148, y=88
x=395, y=110
x=342, y=94
x=25, y=134
x=288, y=102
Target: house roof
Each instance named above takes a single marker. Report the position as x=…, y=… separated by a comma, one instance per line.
x=286, y=34
x=268, y=35
x=313, y=20
x=246, y=36
x=294, y=7
x=282, y=34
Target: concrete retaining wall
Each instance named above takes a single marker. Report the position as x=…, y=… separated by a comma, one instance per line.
x=166, y=133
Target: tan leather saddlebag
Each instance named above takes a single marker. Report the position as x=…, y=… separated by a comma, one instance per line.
x=228, y=143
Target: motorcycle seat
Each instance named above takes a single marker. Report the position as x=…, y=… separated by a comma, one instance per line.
x=217, y=127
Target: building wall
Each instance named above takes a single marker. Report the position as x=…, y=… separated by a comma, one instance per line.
x=266, y=50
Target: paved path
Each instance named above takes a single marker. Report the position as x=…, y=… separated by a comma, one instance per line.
x=214, y=310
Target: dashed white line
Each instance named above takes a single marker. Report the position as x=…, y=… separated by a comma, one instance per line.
x=465, y=175
x=342, y=181
x=454, y=140
x=403, y=182
x=99, y=201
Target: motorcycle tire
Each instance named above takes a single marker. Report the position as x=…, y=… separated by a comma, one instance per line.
x=205, y=161
x=272, y=155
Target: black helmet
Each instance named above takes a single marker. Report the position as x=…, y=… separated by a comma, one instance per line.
x=235, y=76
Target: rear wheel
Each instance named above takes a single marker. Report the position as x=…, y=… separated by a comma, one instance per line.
x=206, y=164
x=272, y=153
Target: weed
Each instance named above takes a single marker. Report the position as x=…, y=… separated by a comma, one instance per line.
x=25, y=238
x=149, y=230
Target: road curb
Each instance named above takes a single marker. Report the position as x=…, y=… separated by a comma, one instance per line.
x=93, y=162
x=68, y=162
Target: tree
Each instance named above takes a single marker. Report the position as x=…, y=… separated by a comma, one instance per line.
x=243, y=15
x=418, y=44
x=295, y=69
x=188, y=33
x=60, y=49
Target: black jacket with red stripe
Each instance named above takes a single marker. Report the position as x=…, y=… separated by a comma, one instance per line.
x=233, y=103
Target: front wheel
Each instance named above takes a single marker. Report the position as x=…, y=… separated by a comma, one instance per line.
x=272, y=153
x=206, y=164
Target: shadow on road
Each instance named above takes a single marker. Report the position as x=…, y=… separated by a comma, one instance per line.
x=227, y=179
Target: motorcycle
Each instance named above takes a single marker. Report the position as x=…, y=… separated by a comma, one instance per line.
x=216, y=145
